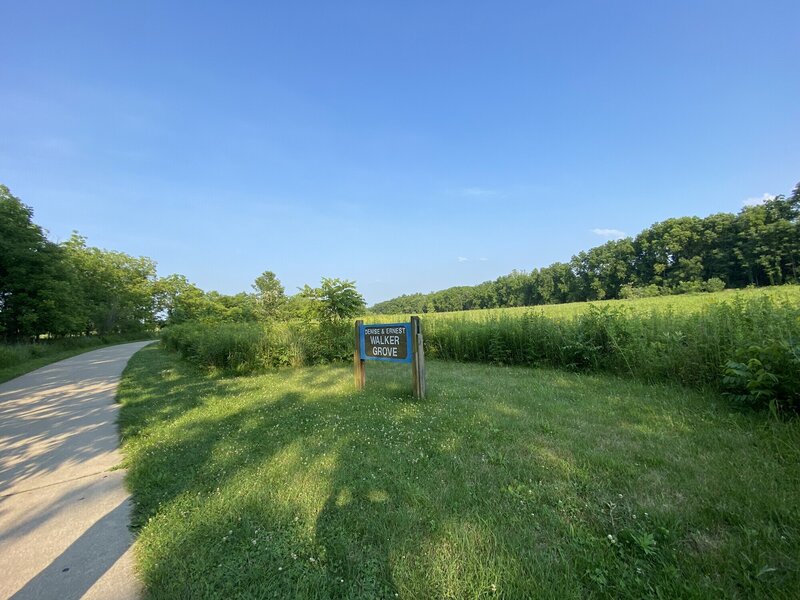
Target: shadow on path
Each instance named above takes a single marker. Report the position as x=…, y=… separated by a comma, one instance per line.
x=58, y=448
x=84, y=562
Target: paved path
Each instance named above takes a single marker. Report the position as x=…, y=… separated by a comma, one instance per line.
x=64, y=513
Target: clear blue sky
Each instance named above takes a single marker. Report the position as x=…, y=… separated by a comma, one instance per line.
x=315, y=139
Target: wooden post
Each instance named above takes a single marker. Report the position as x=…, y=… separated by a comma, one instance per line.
x=417, y=358
x=358, y=364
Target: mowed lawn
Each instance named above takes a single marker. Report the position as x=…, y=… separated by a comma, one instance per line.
x=505, y=483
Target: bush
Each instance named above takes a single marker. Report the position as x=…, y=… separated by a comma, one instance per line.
x=630, y=292
x=225, y=345
x=247, y=347
x=715, y=284
x=766, y=376
x=690, y=287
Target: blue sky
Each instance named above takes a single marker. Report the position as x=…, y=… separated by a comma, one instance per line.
x=408, y=146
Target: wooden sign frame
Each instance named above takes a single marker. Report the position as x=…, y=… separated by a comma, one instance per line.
x=415, y=342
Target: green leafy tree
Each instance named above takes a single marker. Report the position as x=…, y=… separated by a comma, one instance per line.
x=602, y=271
x=270, y=295
x=768, y=240
x=37, y=286
x=238, y=308
x=335, y=299
x=118, y=290
x=177, y=301
x=670, y=252
x=760, y=245
x=513, y=289
x=719, y=240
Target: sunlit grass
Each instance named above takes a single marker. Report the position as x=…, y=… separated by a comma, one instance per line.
x=674, y=339
x=506, y=482
x=681, y=303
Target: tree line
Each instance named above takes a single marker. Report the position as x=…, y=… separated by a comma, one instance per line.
x=55, y=290
x=758, y=246
x=67, y=289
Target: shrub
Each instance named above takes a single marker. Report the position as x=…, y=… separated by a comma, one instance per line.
x=245, y=347
x=690, y=287
x=630, y=292
x=715, y=284
x=766, y=376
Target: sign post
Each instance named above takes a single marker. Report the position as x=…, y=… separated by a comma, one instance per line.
x=390, y=342
x=418, y=358
x=358, y=362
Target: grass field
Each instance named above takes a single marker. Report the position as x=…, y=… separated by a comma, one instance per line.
x=689, y=340
x=507, y=482
x=681, y=303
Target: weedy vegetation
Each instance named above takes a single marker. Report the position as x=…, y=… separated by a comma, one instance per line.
x=745, y=343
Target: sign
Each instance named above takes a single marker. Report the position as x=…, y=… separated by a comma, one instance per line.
x=387, y=341
x=392, y=342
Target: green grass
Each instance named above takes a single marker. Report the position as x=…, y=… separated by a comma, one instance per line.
x=687, y=340
x=18, y=359
x=681, y=303
x=508, y=482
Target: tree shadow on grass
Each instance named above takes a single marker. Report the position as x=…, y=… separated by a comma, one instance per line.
x=355, y=531
x=400, y=483
x=321, y=492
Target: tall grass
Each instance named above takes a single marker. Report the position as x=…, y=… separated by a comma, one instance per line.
x=690, y=347
x=684, y=303
x=247, y=347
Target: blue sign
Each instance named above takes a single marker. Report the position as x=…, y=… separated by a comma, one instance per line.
x=390, y=342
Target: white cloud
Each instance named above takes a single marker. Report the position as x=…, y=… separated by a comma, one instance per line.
x=462, y=259
x=608, y=233
x=483, y=259
x=757, y=201
x=476, y=192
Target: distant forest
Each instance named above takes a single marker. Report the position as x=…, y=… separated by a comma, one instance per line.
x=758, y=246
